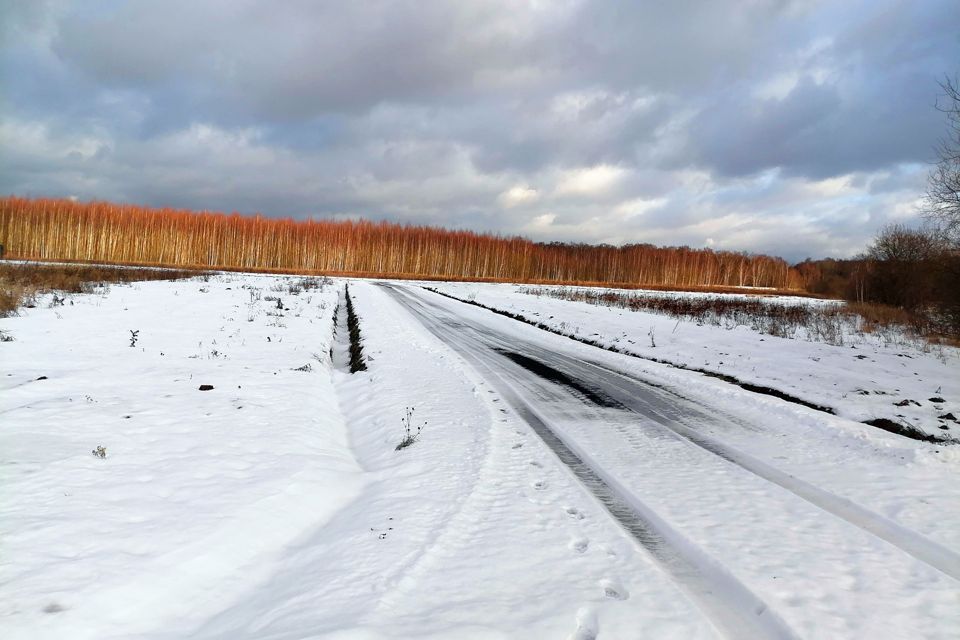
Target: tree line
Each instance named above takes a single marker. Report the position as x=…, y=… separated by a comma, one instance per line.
x=61, y=229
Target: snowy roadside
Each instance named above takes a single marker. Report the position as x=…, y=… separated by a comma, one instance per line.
x=198, y=490
x=865, y=379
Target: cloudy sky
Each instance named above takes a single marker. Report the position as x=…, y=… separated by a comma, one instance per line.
x=789, y=127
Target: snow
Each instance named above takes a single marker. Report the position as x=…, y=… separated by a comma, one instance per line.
x=452, y=537
x=868, y=377
x=197, y=488
x=821, y=573
x=234, y=512
x=275, y=505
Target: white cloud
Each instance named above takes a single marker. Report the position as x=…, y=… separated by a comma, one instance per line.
x=831, y=187
x=638, y=206
x=542, y=221
x=778, y=87
x=519, y=195
x=589, y=181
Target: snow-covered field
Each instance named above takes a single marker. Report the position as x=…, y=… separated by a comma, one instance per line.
x=868, y=377
x=197, y=487
x=275, y=504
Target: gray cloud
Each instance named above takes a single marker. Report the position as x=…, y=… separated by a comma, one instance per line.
x=674, y=123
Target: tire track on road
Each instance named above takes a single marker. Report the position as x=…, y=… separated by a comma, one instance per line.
x=625, y=386
x=733, y=609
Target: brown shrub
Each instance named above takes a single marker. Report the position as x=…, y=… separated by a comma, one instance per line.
x=19, y=282
x=822, y=323
x=877, y=317
x=10, y=299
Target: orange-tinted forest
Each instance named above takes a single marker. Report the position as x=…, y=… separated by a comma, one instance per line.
x=52, y=229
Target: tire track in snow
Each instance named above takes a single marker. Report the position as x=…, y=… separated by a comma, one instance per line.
x=732, y=608
x=915, y=544
x=910, y=542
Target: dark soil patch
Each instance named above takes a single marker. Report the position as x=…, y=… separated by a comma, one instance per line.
x=357, y=362
x=907, y=431
x=906, y=403
x=553, y=375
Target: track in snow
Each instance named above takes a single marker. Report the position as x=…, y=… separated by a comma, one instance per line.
x=731, y=607
x=508, y=362
x=623, y=390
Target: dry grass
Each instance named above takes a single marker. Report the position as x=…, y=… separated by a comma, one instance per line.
x=882, y=318
x=879, y=317
x=20, y=283
x=827, y=323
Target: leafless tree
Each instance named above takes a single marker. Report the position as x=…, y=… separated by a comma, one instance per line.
x=898, y=243
x=902, y=266
x=943, y=190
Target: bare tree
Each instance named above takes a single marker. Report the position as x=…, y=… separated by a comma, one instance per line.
x=903, y=267
x=900, y=244
x=943, y=190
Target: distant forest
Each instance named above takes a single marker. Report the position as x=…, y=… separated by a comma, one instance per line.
x=57, y=229
x=915, y=270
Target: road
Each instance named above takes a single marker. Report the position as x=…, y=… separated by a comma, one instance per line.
x=634, y=445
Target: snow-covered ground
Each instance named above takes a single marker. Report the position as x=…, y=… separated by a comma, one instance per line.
x=197, y=487
x=275, y=503
x=869, y=377
x=276, y=506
